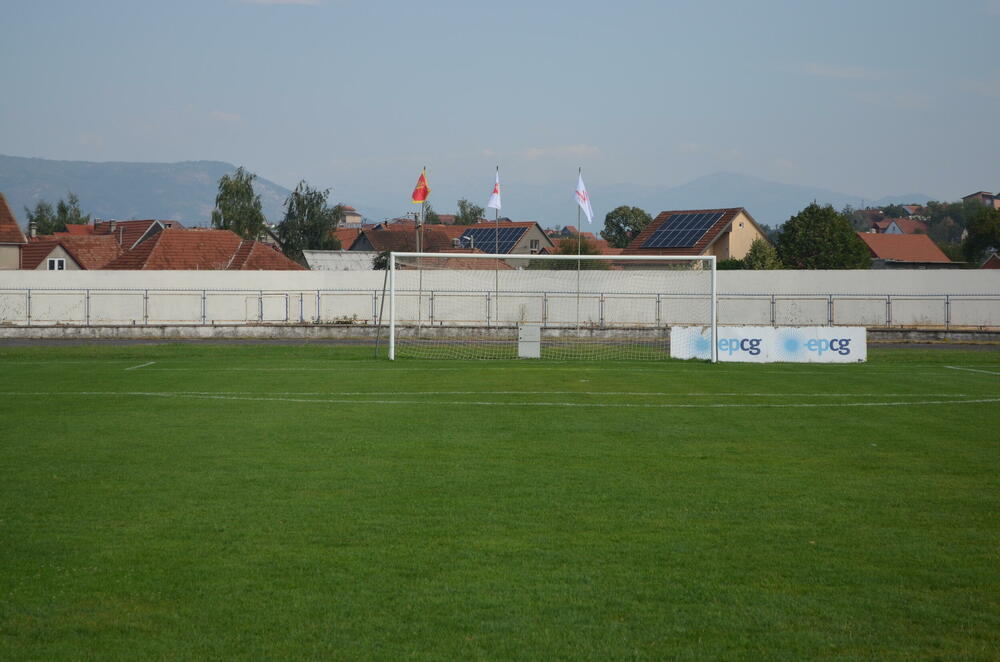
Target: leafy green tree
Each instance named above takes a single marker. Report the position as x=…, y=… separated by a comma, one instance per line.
x=42, y=218
x=730, y=264
x=953, y=251
x=468, y=213
x=858, y=221
x=237, y=207
x=623, y=224
x=820, y=238
x=894, y=211
x=572, y=245
x=984, y=234
x=46, y=220
x=762, y=255
x=309, y=223
x=946, y=221
x=430, y=216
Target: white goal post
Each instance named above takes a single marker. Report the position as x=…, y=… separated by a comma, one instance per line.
x=480, y=306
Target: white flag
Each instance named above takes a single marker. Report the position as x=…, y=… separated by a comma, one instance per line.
x=494, y=202
x=583, y=200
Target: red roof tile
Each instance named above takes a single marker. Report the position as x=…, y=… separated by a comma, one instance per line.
x=903, y=247
x=346, y=236
x=35, y=251
x=90, y=251
x=907, y=225
x=434, y=238
x=130, y=233
x=992, y=262
x=201, y=250
x=77, y=230
x=10, y=231
x=267, y=258
x=127, y=233
x=241, y=255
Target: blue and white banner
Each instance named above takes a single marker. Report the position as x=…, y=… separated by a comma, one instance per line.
x=767, y=344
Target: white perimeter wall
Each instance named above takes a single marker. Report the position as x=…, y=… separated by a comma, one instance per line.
x=869, y=298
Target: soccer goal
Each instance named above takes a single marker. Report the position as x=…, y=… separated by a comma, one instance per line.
x=568, y=307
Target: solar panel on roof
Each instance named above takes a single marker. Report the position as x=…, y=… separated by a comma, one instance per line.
x=487, y=239
x=682, y=230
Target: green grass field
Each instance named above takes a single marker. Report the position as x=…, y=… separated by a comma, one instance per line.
x=259, y=502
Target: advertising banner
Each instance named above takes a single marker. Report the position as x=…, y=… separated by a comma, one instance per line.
x=767, y=344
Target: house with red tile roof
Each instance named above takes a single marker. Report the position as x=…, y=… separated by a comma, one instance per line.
x=347, y=236
x=128, y=234
x=905, y=251
x=984, y=197
x=199, y=249
x=724, y=233
x=351, y=217
x=401, y=239
x=462, y=262
x=70, y=252
x=992, y=262
x=11, y=237
x=899, y=226
x=513, y=238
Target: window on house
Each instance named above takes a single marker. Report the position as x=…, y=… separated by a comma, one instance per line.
x=57, y=264
x=534, y=245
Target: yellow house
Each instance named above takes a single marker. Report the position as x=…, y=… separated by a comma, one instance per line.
x=724, y=233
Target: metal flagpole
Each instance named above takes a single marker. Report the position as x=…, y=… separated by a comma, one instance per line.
x=496, y=251
x=579, y=240
x=420, y=270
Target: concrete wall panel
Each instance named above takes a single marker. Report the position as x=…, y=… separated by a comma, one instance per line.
x=801, y=310
x=918, y=296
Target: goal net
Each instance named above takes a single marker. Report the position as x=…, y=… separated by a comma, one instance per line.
x=565, y=307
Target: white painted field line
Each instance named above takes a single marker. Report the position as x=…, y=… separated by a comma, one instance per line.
x=664, y=370
x=657, y=394
x=601, y=405
x=985, y=372
x=67, y=362
x=136, y=367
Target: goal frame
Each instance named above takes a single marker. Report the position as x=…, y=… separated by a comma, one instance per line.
x=709, y=260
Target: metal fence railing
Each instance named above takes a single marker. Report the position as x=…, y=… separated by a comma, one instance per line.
x=123, y=306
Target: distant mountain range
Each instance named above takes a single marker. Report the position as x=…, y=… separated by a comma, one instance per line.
x=178, y=191
x=186, y=192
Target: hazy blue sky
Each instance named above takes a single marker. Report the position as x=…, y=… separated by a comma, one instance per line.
x=868, y=97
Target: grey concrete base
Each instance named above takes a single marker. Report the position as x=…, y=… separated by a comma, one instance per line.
x=934, y=335
x=197, y=332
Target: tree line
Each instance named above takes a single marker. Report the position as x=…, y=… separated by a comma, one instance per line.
x=820, y=237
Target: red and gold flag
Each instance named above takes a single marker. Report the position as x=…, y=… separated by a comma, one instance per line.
x=422, y=190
